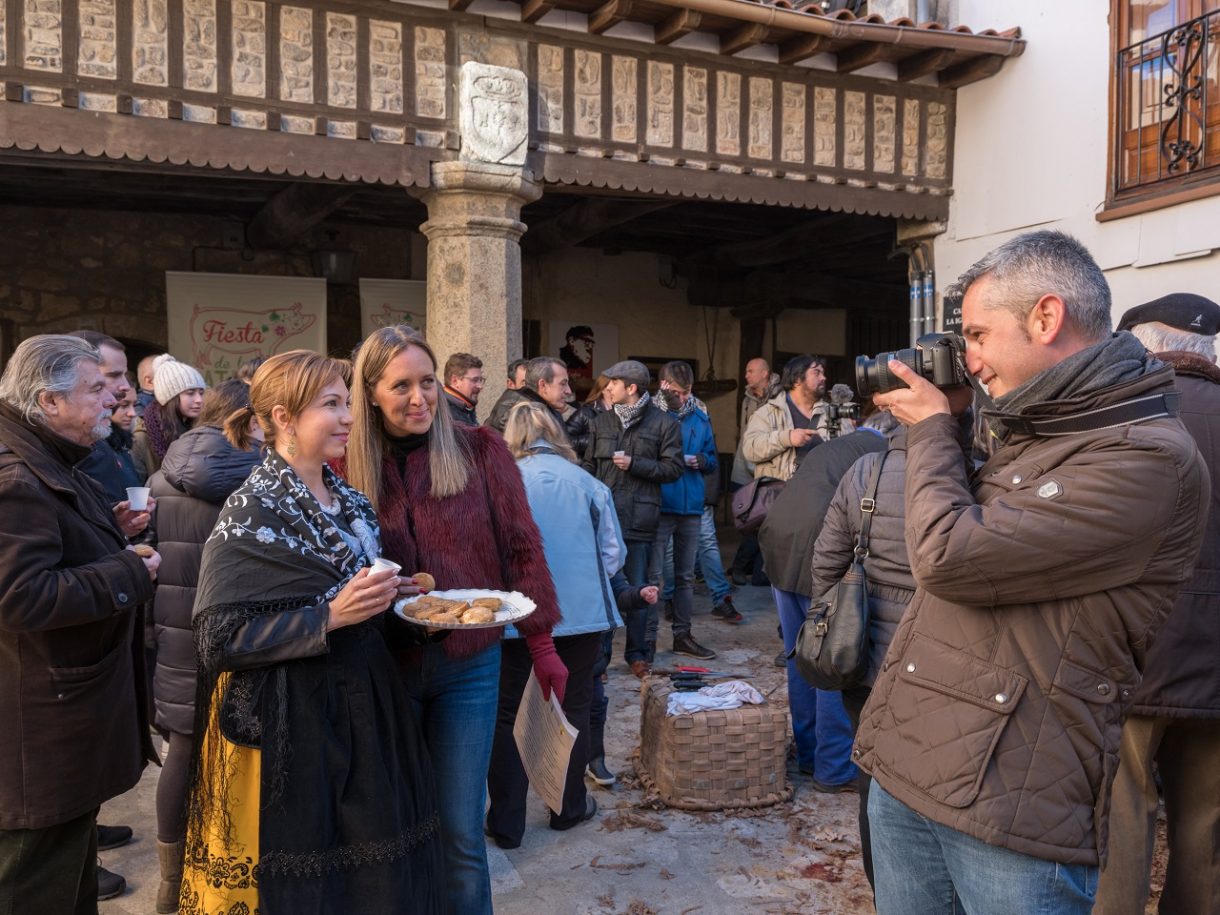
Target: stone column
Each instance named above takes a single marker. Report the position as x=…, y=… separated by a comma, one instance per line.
x=474, y=227
x=474, y=264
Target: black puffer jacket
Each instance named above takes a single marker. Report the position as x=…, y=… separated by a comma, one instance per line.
x=890, y=583
x=199, y=472
x=579, y=427
x=654, y=445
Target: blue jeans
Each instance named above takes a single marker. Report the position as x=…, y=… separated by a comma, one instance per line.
x=455, y=701
x=819, y=721
x=709, y=557
x=924, y=868
x=635, y=622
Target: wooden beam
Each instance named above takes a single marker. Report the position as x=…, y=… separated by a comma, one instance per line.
x=755, y=292
x=294, y=211
x=745, y=37
x=683, y=22
x=795, y=50
x=923, y=63
x=970, y=71
x=609, y=15
x=533, y=10
x=860, y=55
x=585, y=219
x=459, y=6
x=802, y=242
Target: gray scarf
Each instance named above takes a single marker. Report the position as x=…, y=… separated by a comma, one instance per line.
x=1118, y=358
x=630, y=415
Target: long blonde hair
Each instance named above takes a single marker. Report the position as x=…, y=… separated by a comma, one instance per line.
x=529, y=423
x=448, y=454
x=290, y=380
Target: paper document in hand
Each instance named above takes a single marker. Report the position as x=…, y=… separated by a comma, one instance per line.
x=545, y=740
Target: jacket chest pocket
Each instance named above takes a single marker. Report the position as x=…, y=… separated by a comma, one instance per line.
x=947, y=712
x=605, y=447
x=1010, y=477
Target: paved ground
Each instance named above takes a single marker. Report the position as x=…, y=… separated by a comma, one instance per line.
x=637, y=857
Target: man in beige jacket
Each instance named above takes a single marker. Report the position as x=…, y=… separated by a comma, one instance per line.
x=783, y=430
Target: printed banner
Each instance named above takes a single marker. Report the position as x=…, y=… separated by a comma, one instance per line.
x=386, y=302
x=219, y=320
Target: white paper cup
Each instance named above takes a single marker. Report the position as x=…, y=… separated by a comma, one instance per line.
x=620, y=454
x=381, y=564
x=137, y=498
x=691, y=458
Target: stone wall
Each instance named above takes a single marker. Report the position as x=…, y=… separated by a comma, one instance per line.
x=64, y=269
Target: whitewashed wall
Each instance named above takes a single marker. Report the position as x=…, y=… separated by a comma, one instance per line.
x=1031, y=152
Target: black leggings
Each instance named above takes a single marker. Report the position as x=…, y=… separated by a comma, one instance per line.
x=171, y=788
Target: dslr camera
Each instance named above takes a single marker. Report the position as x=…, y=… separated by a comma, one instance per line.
x=836, y=413
x=940, y=358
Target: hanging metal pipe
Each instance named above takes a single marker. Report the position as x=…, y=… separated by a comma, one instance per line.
x=915, y=282
x=929, y=298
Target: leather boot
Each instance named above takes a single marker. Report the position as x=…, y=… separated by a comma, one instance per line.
x=170, y=856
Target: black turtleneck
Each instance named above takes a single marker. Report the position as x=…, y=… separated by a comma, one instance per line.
x=401, y=446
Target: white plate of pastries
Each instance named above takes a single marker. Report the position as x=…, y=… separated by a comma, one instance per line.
x=471, y=608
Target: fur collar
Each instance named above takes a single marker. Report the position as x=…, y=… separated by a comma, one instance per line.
x=1192, y=364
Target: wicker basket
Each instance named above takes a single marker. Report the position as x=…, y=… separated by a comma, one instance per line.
x=712, y=760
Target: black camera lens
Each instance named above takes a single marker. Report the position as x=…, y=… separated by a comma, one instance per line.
x=873, y=376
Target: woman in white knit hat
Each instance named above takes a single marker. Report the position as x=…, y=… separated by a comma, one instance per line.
x=179, y=391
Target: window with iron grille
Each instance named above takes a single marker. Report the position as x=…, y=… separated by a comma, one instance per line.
x=1166, y=91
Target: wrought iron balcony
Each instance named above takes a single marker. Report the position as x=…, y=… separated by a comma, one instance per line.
x=1167, y=116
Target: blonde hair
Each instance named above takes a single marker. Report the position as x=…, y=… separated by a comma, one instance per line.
x=599, y=386
x=530, y=422
x=448, y=454
x=290, y=380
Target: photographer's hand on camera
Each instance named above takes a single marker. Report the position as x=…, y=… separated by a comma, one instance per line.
x=921, y=399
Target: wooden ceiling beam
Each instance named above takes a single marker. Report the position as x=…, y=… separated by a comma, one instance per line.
x=971, y=71
x=294, y=211
x=796, y=243
x=681, y=23
x=860, y=55
x=795, y=50
x=585, y=219
x=609, y=15
x=533, y=10
x=923, y=63
x=459, y=6
x=747, y=36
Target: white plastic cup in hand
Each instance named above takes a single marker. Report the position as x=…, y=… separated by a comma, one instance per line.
x=691, y=459
x=137, y=498
x=620, y=454
x=381, y=564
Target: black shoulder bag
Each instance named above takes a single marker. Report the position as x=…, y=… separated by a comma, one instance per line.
x=831, y=650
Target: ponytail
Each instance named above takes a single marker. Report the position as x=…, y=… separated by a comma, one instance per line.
x=237, y=428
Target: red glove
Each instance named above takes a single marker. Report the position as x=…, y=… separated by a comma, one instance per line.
x=548, y=668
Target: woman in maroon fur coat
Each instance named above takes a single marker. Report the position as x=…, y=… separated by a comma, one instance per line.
x=450, y=502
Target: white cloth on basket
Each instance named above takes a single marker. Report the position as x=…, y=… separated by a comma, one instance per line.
x=727, y=695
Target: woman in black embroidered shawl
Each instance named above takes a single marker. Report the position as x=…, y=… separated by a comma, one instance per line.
x=312, y=792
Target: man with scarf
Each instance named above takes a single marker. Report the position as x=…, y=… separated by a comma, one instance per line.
x=633, y=449
x=993, y=729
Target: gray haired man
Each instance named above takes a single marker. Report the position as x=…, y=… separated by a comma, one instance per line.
x=994, y=725
x=72, y=707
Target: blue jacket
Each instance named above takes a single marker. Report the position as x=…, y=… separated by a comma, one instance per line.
x=684, y=496
x=565, y=501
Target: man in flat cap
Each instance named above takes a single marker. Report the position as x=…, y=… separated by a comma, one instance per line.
x=633, y=449
x=1174, y=725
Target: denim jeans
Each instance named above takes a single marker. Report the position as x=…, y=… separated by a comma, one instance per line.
x=819, y=721
x=683, y=532
x=924, y=868
x=707, y=558
x=455, y=701
x=635, y=622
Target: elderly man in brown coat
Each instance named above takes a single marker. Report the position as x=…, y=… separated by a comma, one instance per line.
x=71, y=680
x=992, y=732
x=1174, y=727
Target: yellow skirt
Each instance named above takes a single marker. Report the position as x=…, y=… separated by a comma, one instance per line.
x=219, y=878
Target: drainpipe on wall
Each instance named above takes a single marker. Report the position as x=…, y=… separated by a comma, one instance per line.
x=915, y=282
x=929, y=293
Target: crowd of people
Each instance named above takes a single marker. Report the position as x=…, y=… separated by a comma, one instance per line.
x=200, y=563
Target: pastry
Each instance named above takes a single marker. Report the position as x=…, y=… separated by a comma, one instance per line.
x=479, y=614
x=144, y=551
x=443, y=617
x=424, y=581
x=491, y=603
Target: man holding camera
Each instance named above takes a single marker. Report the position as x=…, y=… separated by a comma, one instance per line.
x=993, y=730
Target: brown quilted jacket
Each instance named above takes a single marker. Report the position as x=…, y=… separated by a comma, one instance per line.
x=1041, y=582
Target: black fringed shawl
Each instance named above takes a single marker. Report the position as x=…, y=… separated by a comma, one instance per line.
x=274, y=550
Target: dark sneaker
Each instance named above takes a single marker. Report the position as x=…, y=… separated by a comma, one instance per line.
x=109, y=837
x=109, y=884
x=726, y=611
x=597, y=771
x=781, y=659
x=823, y=788
x=590, y=812
x=684, y=644
x=738, y=578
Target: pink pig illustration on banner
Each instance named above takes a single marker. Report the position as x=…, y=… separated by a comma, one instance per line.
x=391, y=315
x=244, y=334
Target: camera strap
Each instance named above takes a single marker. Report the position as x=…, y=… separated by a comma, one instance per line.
x=1124, y=413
